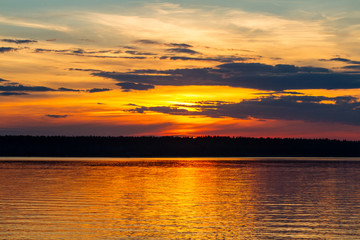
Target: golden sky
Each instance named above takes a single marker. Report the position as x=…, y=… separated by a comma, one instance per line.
x=240, y=68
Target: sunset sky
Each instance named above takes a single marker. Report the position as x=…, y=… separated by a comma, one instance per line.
x=255, y=68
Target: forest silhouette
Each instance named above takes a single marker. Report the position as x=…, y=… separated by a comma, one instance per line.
x=206, y=146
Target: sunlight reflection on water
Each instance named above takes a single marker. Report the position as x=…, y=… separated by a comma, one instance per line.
x=206, y=198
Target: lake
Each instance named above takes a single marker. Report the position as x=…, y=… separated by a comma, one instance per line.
x=179, y=198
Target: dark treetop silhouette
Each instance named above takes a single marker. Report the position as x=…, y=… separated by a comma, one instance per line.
x=207, y=146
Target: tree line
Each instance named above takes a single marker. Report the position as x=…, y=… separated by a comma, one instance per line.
x=206, y=146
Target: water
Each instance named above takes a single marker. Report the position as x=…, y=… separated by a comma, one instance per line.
x=249, y=198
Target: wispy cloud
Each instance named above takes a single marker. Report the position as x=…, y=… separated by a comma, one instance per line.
x=28, y=24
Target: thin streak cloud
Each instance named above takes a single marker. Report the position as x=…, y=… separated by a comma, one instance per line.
x=25, y=23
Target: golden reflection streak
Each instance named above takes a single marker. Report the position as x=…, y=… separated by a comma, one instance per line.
x=172, y=197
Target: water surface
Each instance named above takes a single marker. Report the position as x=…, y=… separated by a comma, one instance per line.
x=197, y=198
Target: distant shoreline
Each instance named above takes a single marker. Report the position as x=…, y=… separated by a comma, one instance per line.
x=147, y=147
x=129, y=160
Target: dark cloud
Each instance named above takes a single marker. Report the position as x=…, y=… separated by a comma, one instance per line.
x=182, y=50
x=339, y=59
x=7, y=49
x=255, y=68
x=170, y=77
x=79, y=51
x=12, y=88
x=216, y=59
x=167, y=110
x=127, y=86
x=57, y=116
x=214, y=103
x=62, y=89
x=173, y=45
x=352, y=67
x=84, y=53
x=247, y=75
x=12, y=93
x=18, y=41
x=96, y=90
x=133, y=57
x=19, y=87
x=84, y=69
x=51, y=40
x=41, y=50
x=129, y=47
x=345, y=110
x=279, y=92
x=146, y=41
x=179, y=45
x=139, y=53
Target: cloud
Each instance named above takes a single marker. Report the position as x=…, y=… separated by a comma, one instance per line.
x=139, y=53
x=12, y=88
x=62, y=89
x=179, y=45
x=338, y=59
x=343, y=110
x=19, y=87
x=41, y=50
x=127, y=86
x=246, y=75
x=93, y=54
x=352, y=67
x=84, y=69
x=78, y=51
x=18, y=41
x=146, y=41
x=255, y=68
x=25, y=23
x=7, y=49
x=167, y=110
x=174, y=45
x=56, y=116
x=182, y=50
x=215, y=59
x=12, y=93
x=96, y=90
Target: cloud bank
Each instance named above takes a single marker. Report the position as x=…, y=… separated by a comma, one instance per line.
x=343, y=110
x=245, y=75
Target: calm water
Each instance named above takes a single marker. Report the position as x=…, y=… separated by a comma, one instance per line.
x=179, y=199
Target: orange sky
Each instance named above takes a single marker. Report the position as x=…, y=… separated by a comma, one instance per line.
x=165, y=68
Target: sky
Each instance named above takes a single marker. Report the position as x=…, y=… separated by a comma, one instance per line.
x=252, y=68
